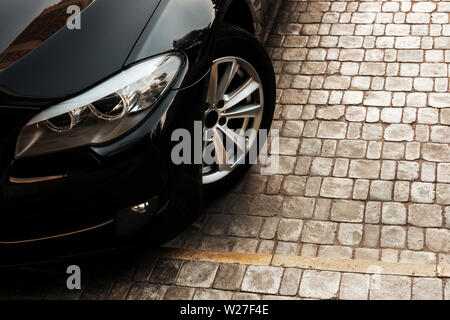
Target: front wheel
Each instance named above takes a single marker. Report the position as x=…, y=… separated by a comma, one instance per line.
x=240, y=102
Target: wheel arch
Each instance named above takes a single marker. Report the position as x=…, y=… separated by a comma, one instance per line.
x=241, y=13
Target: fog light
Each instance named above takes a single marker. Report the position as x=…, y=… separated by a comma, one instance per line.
x=132, y=219
x=141, y=208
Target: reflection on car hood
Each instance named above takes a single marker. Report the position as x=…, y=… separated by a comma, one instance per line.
x=43, y=61
x=25, y=24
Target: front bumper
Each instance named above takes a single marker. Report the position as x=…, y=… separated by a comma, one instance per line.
x=85, y=206
x=83, y=211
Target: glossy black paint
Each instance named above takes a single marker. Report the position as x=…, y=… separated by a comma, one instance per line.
x=27, y=24
x=102, y=179
x=71, y=61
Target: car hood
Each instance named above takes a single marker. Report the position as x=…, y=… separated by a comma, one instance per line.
x=42, y=59
x=24, y=26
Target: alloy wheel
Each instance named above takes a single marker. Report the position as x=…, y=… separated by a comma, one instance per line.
x=235, y=104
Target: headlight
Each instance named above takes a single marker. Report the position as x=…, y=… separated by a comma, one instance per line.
x=102, y=113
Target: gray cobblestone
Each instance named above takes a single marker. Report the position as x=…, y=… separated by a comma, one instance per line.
x=262, y=279
x=212, y=294
x=393, y=237
x=354, y=286
x=298, y=207
x=384, y=287
x=290, y=282
x=147, y=291
x=319, y=284
x=427, y=289
x=350, y=234
x=347, y=211
x=197, y=274
x=290, y=229
x=319, y=232
x=245, y=226
x=165, y=271
x=229, y=276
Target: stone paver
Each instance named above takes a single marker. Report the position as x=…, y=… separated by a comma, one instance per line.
x=290, y=282
x=165, y=271
x=383, y=287
x=145, y=291
x=262, y=279
x=355, y=286
x=319, y=284
x=427, y=289
x=197, y=274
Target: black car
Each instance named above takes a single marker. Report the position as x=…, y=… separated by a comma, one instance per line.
x=92, y=95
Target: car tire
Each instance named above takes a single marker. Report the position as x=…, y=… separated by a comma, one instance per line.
x=236, y=42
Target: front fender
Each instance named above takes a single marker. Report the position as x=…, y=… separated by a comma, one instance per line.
x=187, y=26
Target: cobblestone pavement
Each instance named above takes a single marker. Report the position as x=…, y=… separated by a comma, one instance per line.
x=363, y=108
x=150, y=278
x=364, y=113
